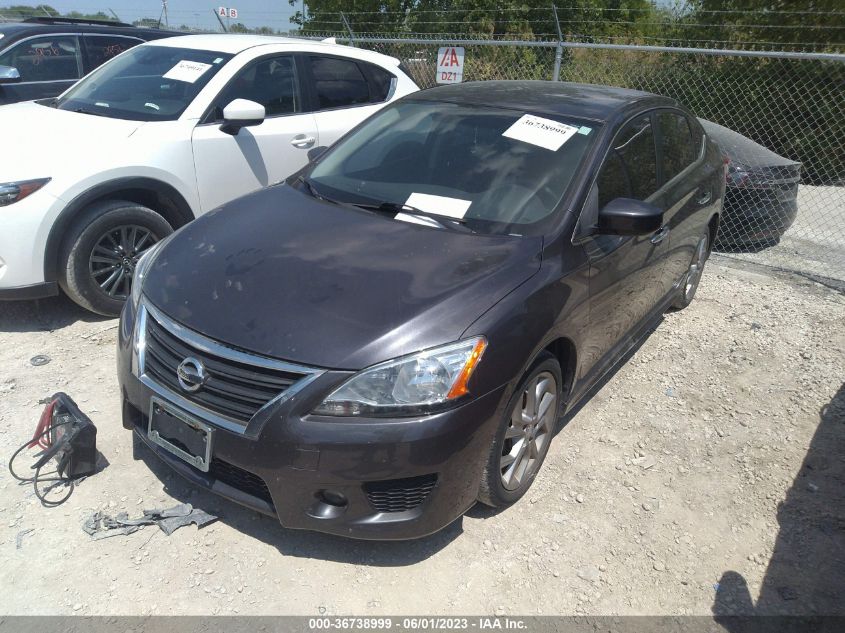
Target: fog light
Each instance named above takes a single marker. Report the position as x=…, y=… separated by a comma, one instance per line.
x=328, y=504
x=333, y=498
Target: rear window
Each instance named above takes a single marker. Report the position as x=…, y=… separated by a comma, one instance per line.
x=677, y=146
x=338, y=82
x=101, y=48
x=381, y=83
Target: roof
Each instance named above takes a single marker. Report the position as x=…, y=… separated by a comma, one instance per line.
x=18, y=30
x=585, y=101
x=235, y=43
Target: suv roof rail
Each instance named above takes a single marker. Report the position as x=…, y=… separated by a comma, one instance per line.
x=61, y=20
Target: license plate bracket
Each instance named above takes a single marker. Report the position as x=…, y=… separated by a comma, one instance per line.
x=180, y=434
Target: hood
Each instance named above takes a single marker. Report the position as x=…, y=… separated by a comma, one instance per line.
x=285, y=275
x=45, y=139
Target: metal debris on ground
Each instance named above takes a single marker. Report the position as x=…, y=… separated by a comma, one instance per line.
x=40, y=359
x=99, y=525
x=20, y=535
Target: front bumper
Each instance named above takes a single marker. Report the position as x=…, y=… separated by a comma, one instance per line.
x=24, y=230
x=35, y=291
x=401, y=478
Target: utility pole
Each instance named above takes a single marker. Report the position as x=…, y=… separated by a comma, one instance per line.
x=222, y=26
x=559, y=49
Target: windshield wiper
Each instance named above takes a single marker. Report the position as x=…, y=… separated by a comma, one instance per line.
x=401, y=207
x=87, y=111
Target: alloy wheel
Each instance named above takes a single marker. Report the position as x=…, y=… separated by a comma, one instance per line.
x=530, y=431
x=696, y=269
x=114, y=256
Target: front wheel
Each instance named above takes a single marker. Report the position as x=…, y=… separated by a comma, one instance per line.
x=101, y=252
x=524, y=435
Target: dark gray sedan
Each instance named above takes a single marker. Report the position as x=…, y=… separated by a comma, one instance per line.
x=761, y=197
x=391, y=335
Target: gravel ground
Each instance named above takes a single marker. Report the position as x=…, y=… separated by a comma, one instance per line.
x=815, y=243
x=705, y=475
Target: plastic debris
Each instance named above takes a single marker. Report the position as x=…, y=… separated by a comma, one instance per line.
x=99, y=525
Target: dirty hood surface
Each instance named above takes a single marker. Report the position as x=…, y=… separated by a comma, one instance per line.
x=283, y=274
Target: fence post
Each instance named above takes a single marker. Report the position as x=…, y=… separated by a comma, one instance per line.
x=348, y=28
x=559, y=50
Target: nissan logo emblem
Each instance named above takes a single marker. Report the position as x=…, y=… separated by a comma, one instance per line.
x=191, y=375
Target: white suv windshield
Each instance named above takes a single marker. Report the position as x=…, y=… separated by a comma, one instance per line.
x=146, y=83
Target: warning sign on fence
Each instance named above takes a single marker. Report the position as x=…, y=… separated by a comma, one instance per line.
x=450, y=65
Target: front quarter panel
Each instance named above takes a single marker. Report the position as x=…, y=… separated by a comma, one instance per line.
x=551, y=305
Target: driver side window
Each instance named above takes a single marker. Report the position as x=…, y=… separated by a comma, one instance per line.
x=45, y=58
x=630, y=169
x=271, y=82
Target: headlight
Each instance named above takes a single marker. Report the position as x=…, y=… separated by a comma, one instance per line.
x=420, y=383
x=141, y=268
x=11, y=192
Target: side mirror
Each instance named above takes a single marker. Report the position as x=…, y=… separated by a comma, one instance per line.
x=624, y=216
x=9, y=75
x=315, y=152
x=241, y=113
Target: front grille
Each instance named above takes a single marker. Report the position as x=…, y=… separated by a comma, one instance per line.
x=239, y=478
x=233, y=390
x=398, y=495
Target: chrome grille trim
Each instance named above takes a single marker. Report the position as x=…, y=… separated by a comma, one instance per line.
x=214, y=348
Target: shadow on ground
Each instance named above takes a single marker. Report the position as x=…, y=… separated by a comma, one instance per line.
x=299, y=543
x=43, y=315
x=806, y=574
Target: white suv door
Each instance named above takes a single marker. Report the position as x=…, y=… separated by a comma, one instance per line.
x=228, y=166
x=344, y=92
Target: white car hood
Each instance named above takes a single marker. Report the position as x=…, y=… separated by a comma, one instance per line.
x=46, y=142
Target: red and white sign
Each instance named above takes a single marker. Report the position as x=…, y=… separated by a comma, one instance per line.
x=233, y=13
x=227, y=12
x=450, y=65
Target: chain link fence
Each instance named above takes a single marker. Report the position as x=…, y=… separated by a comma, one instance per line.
x=779, y=117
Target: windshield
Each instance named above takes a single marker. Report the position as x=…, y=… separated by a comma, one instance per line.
x=146, y=83
x=493, y=170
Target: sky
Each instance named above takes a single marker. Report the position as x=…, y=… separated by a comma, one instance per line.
x=194, y=13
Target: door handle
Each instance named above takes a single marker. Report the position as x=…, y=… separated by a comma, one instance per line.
x=704, y=197
x=660, y=234
x=302, y=141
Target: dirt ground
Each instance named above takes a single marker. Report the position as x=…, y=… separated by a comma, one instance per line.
x=707, y=474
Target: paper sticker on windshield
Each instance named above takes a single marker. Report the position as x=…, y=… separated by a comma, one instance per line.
x=440, y=205
x=541, y=132
x=186, y=71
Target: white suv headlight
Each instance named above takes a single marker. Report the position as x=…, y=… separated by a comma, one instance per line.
x=419, y=383
x=11, y=192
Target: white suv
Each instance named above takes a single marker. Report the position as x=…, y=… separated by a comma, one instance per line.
x=155, y=137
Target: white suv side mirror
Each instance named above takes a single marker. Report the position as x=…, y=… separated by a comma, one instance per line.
x=242, y=113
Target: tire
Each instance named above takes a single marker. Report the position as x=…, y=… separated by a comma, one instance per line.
x=101, y=281
x=692, y=277
x=494, y=491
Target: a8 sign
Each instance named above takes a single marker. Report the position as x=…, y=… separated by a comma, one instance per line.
x=450, y=65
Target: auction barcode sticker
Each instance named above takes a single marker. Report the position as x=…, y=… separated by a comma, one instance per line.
x=541, y=132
